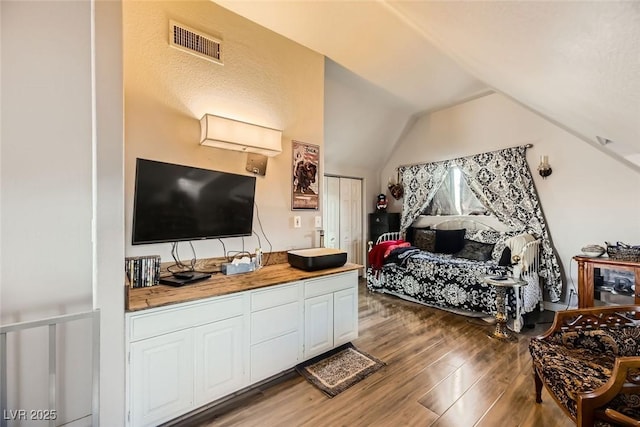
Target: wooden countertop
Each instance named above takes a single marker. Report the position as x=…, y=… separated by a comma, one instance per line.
x=220, y=284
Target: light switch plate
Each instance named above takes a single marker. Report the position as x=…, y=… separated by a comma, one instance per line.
x=318, y=221
x=297, y=222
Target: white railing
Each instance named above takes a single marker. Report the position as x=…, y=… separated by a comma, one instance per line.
x=52, y=323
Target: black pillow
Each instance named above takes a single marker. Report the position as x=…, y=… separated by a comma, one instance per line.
x=475, y=250
x=425, y=240
x=505, y=258
x=410, y=234
x=449, y=241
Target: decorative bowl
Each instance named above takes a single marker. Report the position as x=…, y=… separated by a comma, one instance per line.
x=593, y=250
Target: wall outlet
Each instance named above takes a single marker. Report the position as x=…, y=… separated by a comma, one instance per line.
x=297, y=222
x=318, y=221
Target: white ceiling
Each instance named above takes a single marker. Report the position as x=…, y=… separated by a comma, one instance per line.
x=576, y=63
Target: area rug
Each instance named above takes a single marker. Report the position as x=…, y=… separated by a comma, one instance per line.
x=337, y=370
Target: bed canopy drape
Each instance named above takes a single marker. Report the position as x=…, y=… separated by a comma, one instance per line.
x=502, y=181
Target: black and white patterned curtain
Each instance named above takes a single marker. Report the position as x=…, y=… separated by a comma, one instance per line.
x=503, y=183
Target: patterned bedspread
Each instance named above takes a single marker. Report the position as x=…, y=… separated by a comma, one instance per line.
x=442, y=281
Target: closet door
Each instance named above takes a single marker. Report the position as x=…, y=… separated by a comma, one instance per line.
x=343, y=216
x=332, y=212
x=351, y=218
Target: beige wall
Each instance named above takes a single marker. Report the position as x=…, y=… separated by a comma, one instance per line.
x=266, y=79
x=589, y=198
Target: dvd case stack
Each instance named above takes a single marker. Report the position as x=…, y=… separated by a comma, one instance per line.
x=142, y=271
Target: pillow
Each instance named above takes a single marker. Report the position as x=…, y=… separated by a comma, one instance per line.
x=502, y=243
x=425, y=240
x=475, y=250
x=505, y=258
x=410, y=233
x=483, y=236
x=449, y=241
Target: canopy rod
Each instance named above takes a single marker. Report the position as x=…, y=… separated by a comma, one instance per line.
x=529, y=145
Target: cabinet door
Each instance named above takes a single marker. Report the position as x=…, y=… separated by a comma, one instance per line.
x=161, y=378
x=318, y=325
x=345, y=316
x=274, y=356
x=220, y=359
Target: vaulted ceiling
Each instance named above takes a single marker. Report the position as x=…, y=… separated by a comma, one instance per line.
x=575, y=63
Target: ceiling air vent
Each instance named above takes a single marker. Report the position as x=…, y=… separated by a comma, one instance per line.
x=194, y=42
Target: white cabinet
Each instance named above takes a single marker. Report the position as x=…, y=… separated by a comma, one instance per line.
x=330, y=312
x=345, y=316
x=184, y=357
x=188, y=355
x=162, y=378
x=219, y=358
x=276, y=330
x=318, y=325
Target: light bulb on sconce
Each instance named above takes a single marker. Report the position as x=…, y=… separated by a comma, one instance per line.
x=544, y=169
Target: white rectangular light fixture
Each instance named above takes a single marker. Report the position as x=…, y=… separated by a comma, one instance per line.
x=229, y=134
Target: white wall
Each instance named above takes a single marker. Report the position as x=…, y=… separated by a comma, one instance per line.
x=589, y=198
x=266, y=79
x=108, y=291
x=61, y=175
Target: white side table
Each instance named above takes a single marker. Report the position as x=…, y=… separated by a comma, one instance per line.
x=501, y=331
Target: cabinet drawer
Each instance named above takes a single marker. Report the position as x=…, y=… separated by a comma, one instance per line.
x=177, y=318
x=328, y=284
x=273, y=297
x=274, y=356
x=274, y=322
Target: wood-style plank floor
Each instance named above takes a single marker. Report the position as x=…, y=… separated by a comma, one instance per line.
x=442, y=370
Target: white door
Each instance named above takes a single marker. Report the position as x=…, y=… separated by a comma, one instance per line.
x=161, y=378
x=318, y=325
x=332, y=212
x=355, y=221
x=220, y=359
x=343, y=216
x=345, y=321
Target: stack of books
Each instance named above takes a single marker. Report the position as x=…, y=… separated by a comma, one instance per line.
x=142, y=271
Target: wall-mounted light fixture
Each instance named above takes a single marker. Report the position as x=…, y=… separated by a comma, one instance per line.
x=544, y=169
x=221, y=132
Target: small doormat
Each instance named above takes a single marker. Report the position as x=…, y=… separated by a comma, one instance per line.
x=335, y=371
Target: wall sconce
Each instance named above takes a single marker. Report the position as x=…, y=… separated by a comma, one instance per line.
x=543, y=168
x=395, y=188
x=230, y=134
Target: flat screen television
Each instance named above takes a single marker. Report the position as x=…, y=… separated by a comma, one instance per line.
x=175, y=203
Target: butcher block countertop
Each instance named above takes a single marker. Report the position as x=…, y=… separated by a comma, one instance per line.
x=219, y=284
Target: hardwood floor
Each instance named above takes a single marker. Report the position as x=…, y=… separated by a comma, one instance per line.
x=442, y=370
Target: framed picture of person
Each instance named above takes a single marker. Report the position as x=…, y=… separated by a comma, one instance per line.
x=305, y=190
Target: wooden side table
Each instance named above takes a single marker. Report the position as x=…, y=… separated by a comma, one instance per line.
x=501, y=331
x=586, y=276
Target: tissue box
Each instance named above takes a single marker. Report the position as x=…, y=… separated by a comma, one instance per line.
x=230, y=268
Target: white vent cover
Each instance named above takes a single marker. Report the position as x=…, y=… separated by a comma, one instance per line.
x=194, y=42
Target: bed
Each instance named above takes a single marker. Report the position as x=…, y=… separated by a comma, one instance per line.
x=450, y=277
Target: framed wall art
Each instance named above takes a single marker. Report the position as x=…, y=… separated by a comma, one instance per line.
x=305, y=190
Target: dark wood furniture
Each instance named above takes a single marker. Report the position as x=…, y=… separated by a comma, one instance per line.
x=592, y=386
x=586, y=265
x=382, y=222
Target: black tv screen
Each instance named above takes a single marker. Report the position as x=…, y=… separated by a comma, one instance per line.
x=174, y=203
